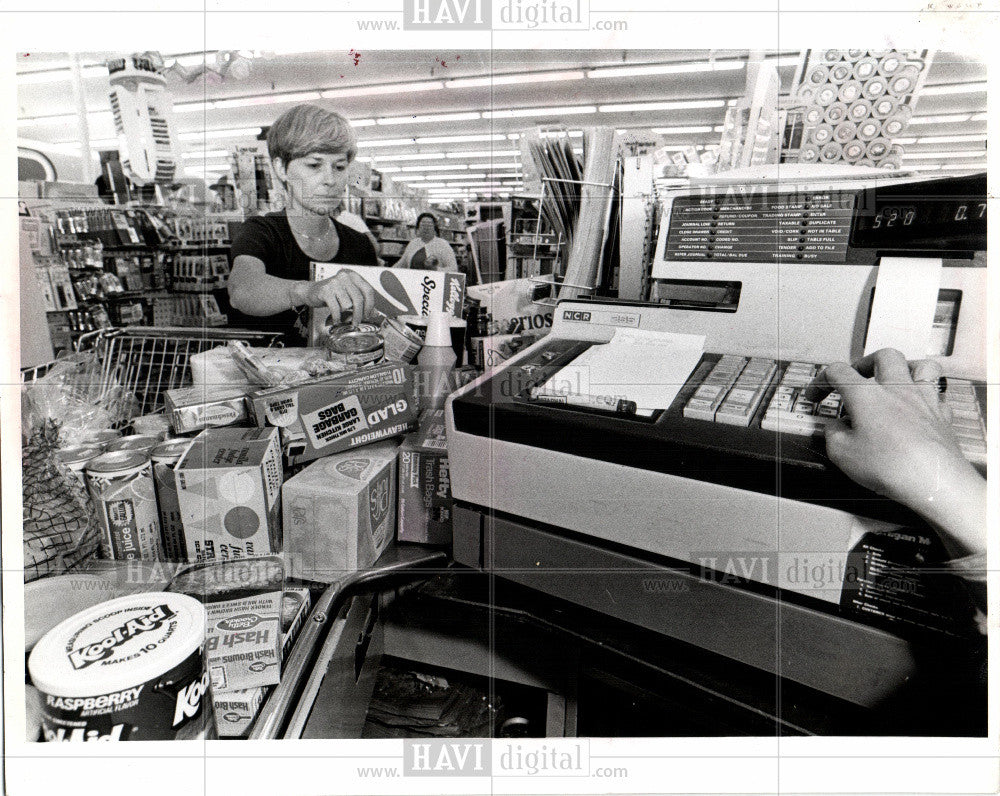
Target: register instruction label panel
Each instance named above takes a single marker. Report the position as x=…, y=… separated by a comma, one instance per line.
x=811, y=227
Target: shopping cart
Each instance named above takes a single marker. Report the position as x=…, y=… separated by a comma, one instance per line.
x=146, y=361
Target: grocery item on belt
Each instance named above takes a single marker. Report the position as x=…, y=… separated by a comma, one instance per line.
x=121, y=487
x=228, y=483
x=196, y=408
x=133, y=442
x=235, y=710
x=130, y=669
x=425, y=502
x=164, y=458
x=355, y=347
x=340, y=513
x=77, y=457
x=332, y=414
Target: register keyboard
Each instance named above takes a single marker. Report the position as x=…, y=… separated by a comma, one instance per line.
x=734, y=389
x=737, y=421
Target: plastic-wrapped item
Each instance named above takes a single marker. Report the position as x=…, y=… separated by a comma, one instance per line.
x=60, y=525
x=74, y=394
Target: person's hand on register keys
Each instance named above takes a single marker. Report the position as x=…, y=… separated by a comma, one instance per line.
x=897, y=442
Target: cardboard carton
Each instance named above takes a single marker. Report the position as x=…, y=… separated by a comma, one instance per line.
x=340, y=513
x=228, y=484
x=335, y=413
x=425, y=503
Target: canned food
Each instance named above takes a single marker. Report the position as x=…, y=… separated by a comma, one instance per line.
x=831, y=152
x=402, y=344
x=822, y=133
x=134, y=442
x=356, y=348
x=869, y=130
x=818, y=75
x=854, y=151
x=826, y=96
x=849, y=92
x=904, y=82
x=840, y=73
x=121, y=486
x=836, y=113
x=878, y=148
x=809, y=154
x=814, y=115
x=806, y=93
x=874, y=88
x=832, y=56
x=859, y=110
x=844, y=132
x=76, y=459
x=164, y=456
x=100, y=437
x=865, y=68
x=884, y=108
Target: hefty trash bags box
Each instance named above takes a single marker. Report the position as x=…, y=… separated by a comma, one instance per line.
x=335, y=413
x=228, y=484
x=398, y=291
x=425, y=504
x=340, y=513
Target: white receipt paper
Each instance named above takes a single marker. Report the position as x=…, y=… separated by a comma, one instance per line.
x=635, y=365
x=906, y=294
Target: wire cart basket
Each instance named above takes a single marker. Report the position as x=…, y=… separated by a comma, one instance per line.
x=147, y=361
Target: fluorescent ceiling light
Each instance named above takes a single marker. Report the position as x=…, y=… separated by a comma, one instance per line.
x=268, y=99
x=783, y=60
x=430, y=117
x=418, y=156
x=947, y=118
x=661, y=106
x=953, y=88
x=405, y=177
x=497, y=166
x=504, y=80
x=189, y=107
x=56, y=75
x=515, y=113
x=975, y=153
x=384, y=88
x=387, y=142
x=433, y=185
x=362, y=122
x=978, y=117
x=681, y=130
x=561, y=134
x=950, y=139
x=904, y=141
x=386, y=169
x=666, y=69
x=485, y=153
x=239, y=132
x=459, y=139
x=94, y=117
x=213, y=153
x=446, y=167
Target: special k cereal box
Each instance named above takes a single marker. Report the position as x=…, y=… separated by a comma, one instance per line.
x=340, y=513
x=228, y=484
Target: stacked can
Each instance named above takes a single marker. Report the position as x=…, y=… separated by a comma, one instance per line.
x=855, y=102
x=121, y=487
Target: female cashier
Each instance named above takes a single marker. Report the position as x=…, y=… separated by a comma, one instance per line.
x=269, y=287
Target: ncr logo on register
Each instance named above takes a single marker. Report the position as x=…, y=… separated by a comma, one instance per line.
x=447, y=14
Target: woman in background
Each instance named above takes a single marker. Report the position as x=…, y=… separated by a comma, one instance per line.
x=428, y=251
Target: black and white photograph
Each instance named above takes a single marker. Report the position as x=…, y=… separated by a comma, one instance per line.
x=502, y=396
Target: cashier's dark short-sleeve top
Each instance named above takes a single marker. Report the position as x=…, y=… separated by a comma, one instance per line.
x=270, y=240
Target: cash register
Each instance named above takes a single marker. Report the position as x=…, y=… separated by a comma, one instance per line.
x=774, y=558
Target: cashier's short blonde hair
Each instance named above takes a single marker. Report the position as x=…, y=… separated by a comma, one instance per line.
x=310, y=128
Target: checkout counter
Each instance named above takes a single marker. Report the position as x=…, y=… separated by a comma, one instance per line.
x=699, y=567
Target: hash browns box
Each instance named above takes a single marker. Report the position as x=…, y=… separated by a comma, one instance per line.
x=335, y=413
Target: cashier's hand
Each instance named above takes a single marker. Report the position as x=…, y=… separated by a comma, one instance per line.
x=898, y=443
x=344, y=294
